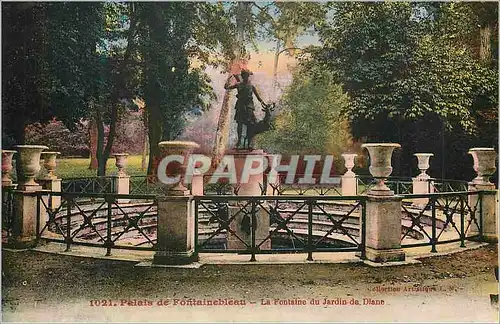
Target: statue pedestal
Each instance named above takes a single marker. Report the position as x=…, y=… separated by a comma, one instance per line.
x=249, y=185
x=422, y=185
x=244, y=162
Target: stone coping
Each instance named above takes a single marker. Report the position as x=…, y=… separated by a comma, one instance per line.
x=481, y=149
x=33, y=146
x=144, y=258
x=178, y=144
x=396, y=145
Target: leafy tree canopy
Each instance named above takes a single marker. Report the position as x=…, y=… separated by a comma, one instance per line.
x=310, y=121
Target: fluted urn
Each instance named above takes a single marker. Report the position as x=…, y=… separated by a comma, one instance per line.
x=484, y=164
x=49, y=163
x=423, y=164
x=176, y=169
x=349, y=163
x=28, y=164
x=7, y=167
x=121, y=162
x=380, y=165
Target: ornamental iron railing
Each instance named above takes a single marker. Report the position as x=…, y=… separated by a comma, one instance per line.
x=110, y=221
x=444, y=218
x=88, y=185
x=279, y=224
x=228, y=223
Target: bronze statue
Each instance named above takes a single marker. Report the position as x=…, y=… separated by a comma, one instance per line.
x=245, y=109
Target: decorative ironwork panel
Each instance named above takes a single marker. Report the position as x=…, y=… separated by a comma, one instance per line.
x=284, y=224
x=88, y=185
x=446, y=218
x=110, y=221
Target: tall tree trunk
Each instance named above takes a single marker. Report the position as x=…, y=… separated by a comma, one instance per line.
x=19, y=132
x=109, y=143
x=275, y=68
x=103, y=153
x=100, y=144
x=485, y=44
x=155, y=136
x=146, y=139
x=93, y=134
x=144, y=152
x=222, y=134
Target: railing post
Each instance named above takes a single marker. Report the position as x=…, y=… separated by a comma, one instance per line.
x=480, y=220
x=69, y=200
x=349, y=182
x=254, y=227
x=197, y=183
x=51, y=182
x=176, y=231
x=109, y=225
x=462, y=220
x=485, y=166
x=121, y=181
x=363, y=229
x=433, y=225
x=196, y=211
x=422, y=182
x=309, y=230
x=38, y=208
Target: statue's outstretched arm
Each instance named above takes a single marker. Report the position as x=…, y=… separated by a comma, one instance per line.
x=258, y=96
x=228, y=86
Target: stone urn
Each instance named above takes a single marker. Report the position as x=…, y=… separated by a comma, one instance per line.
x=484, y=163
x=423, y=164
x=182, y=148
x=49, y=163
x=121, y=163
x=380, y=165
x=28, y=164
x=349, y=163
x=7, y=167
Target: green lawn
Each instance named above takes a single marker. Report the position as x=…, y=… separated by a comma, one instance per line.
x=79, y=167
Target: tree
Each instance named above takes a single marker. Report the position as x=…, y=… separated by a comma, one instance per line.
x=48, y=65
x=310, y=119
x=170, y=84
x=63, y=71
x=408, y=78
x=280, y=22
x=284, y=22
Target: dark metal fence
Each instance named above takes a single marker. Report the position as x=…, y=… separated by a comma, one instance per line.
x=307, y=224
x=227, y=223
x=444, y=218
x=111, y=221
x=88, y=185
x=145, y=185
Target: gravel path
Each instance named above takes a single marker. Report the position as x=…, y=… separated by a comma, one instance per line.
x=44, y=287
